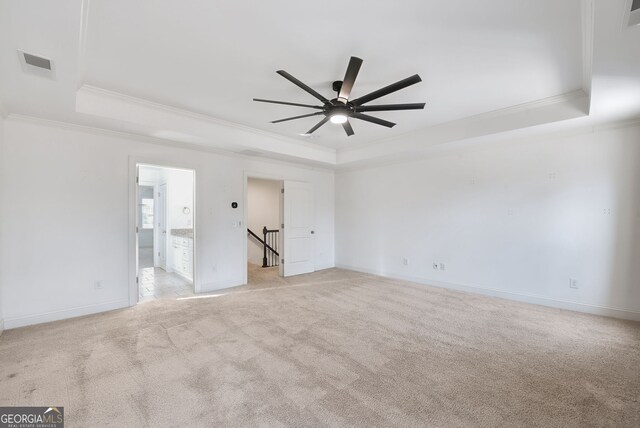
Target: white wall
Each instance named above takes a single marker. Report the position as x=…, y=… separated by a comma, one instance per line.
x=179, y=196
x=1, y=213
x=263, y=205
x=515, y=219
x=77, y=232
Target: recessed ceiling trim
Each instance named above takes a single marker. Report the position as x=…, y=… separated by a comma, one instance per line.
x=250, y=153
x=540, y=112
x=160, y=141
x=588, y=25
x=154, y=116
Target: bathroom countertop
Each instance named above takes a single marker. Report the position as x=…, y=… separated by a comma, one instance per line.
x=183, y=233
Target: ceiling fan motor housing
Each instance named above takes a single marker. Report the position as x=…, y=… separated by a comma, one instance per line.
x=335, y=107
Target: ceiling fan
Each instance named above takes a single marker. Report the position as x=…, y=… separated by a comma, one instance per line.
x=341, y=108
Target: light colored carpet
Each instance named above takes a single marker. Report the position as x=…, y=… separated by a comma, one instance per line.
x=334, y=348
x=259, y=277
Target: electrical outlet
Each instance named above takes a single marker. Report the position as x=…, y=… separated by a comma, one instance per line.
x=98, y=285
x=573, y=283
x=405, y=261
x=435, y=265
x=442, y=267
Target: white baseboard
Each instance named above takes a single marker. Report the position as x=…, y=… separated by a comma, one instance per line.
x=183, y=276
x=324, y=266
x=220, y=285
x=64, y=314
x=520, y=297
x=1, y=326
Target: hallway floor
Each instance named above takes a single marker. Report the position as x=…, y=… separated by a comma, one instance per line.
x=145, y=257
x=156, y=283
x=258, y=277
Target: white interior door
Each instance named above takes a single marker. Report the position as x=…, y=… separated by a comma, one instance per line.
x=298, y=235
x=161, y=222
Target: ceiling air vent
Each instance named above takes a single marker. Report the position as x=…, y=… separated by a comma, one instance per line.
x=36, y=64
x=633, y=12
x=37, y=61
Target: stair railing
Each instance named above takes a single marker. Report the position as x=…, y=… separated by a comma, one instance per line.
x=270, y=242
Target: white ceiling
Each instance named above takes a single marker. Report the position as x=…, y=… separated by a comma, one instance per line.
x=212, y=58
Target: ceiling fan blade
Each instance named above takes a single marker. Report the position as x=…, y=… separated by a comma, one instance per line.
x=301, y=85
x=372, y=119
x=297, y=117
x=348, y=129
x=260, y=100
x=389, y=107
x=387, y=90
x=349, y=78
x=322, y=122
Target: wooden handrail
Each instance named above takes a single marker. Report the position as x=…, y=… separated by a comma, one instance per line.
x=262, y=241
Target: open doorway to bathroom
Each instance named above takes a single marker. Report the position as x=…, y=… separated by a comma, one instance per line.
x=165, y=232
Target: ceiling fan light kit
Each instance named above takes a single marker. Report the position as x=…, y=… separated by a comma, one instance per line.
x=339, y=118
x=340, y=109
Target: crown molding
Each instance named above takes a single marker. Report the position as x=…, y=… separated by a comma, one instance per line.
x=147, y=104
x=98, y=131
x=548, y=110
x=166, y=143
x=538, y=112
x=489, y=140
x=469, y=120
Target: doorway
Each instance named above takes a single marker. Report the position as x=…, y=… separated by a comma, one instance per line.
x=165, y=238
x=146, y=204
x=264, y=217
x=280, y=218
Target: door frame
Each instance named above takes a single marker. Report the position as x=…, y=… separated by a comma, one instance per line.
x=157, y=231
x=155, y=210
x=245, y=209
x=164, y=162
